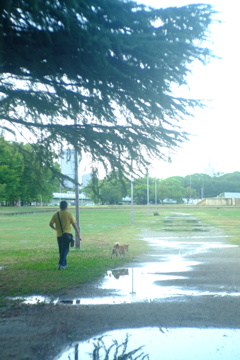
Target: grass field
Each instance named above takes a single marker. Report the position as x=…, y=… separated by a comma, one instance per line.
x=29, y=254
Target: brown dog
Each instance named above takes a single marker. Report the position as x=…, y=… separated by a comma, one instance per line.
x=119, y=250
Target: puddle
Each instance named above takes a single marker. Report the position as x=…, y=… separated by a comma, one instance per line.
x=35, y=299
x=136, y=280
x=184, y=223
x=187, y=245
x=158, y=343
x=128, y=286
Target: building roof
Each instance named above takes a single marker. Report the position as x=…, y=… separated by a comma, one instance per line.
x=230, y=195
x=69, y=196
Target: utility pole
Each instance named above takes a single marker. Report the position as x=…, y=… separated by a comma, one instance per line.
x=132, y=209
x=77, y=197
x=155, y=194
x=76, y=192
x=147, y=192
x=190, y=189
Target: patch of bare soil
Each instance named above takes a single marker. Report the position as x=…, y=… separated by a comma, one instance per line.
x=43, y=331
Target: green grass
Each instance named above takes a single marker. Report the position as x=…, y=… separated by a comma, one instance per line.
x=29, y=254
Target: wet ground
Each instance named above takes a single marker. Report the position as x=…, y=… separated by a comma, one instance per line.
x=169, y=273
x=159, y=277
x=181, y=301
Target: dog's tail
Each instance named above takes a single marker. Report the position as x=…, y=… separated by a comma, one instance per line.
x=116, y=244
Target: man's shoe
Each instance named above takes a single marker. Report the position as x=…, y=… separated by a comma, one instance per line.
x=60, y=267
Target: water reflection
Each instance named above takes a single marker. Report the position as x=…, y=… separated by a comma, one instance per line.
x=118, y=272
x=159, y=343
x=137, y=279
x=104, y=348
x=35, y=299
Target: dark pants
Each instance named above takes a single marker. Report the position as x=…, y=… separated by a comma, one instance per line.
x=63, y=246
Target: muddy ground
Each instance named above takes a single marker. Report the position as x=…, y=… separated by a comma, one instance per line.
x=44, y=331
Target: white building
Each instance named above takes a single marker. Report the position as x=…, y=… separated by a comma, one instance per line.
x=68, y=166
x=70, y=197
x=85, y=179
x=230, y=195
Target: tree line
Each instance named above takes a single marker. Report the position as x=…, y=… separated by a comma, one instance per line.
x=111, y=190
x=24, y=179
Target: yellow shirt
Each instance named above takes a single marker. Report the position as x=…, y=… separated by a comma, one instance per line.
x=67, y=220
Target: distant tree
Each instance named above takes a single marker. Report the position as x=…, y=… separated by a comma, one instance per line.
x=140, y=190
x=191, y=193
x=163, y=192
x=11, y=170
x=171, y=188
x=202, y=185
x=37, y=181
x=229, y=182
x=22, y=178
x=93, y=188
x=224, y=183
x=199, y=184
x=99, y=76
x=110, y=190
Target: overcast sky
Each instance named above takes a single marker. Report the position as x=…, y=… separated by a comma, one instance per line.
x=215, y=130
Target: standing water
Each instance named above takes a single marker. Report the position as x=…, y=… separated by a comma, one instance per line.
x=157, y=344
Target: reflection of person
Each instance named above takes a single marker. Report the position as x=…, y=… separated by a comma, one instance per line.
x=67, y=220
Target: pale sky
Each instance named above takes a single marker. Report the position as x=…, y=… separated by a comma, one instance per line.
x=215, y=129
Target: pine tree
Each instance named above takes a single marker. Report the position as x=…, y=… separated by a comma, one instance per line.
x=98, y=75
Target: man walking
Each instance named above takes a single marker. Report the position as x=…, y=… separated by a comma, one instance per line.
x=61, y=222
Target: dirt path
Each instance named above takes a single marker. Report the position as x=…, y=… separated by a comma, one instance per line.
x=206, y=297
